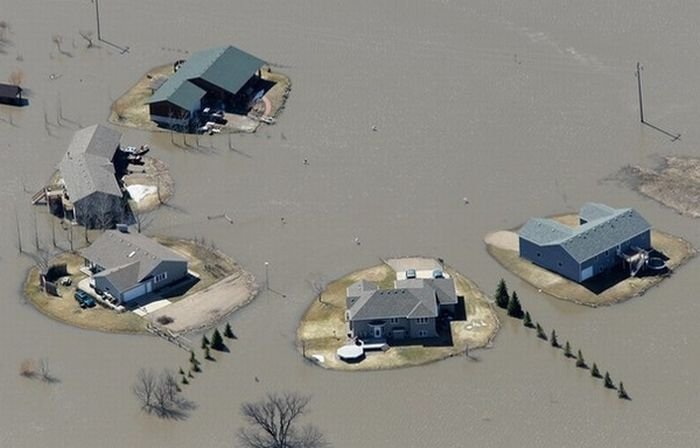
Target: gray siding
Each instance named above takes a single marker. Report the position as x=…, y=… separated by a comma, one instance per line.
x=176, y=271
x=411, y=328
x=553, y=258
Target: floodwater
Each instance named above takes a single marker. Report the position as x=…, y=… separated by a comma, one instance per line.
x=523, y=107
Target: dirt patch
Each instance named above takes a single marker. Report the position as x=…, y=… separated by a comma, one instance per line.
x=675, y=183
x=153, y=173
x=502, y=245
x=322, y=328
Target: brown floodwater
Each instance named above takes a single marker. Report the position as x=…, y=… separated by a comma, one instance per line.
x=520, y=106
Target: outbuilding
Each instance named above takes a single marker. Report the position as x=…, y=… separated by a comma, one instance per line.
x=11, y=94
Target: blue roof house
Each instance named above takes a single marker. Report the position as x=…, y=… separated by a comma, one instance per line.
x=595, y=246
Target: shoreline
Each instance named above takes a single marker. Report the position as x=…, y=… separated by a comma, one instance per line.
x=502, y=246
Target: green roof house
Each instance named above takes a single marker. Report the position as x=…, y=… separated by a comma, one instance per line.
x=219, y=77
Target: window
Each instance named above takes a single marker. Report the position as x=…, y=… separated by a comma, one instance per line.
x=559, y=264
x=422, y=333
x=539, y=254
x=422, y=320
x=394, y=320
x=160, y=277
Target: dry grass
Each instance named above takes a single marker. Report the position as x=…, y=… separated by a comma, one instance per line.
x=66, y=309
x=322, y=329
x=279, y=92
x=131, y=109
x=499, y=245
x=154, y=173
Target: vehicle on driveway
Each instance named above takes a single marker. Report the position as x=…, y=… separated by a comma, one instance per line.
x=84, y=299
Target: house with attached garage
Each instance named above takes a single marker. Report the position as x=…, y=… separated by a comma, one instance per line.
x=603, y=240
x=411, y=310
x=126, y=266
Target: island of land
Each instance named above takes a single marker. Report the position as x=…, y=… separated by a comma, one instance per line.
x=218, y=287
x=503, y=245
x=674, y=182
x=131, y=109
x=323, y=328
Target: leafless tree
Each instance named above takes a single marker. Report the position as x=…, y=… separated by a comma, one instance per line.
x=160, y=395
x=273, y=423
x=27, y=368
x=4, y=28
x=318, y=284
x=16, y=77
x=19, y=232
x=45, y=372
x=58, y=40
x=88, y=37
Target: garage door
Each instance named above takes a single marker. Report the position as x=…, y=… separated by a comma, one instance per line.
x=135, y=292
x=587, y=273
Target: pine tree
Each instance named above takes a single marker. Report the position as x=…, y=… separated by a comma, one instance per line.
x=190, y=374
x=514, y=307
x=217, y=342
x=196, y=368
x=527, y=321
x=205, y=341
x=622, y=393
x=553, y=339
x=502, y=297
x=567, y=350
x=540, y=331
x=228, y=332
x=580, y=362
x=181, y=372
x=595, y=373
x=207, y=354
x=185, y=380
x=608, y=381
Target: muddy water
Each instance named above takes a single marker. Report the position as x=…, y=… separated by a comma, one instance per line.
x=521, y=107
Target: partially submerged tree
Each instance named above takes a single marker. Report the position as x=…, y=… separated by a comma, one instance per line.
x=27, y=368
x=553, y=339
x=580, y=362
x=88, y=37
x=273, y=423
x=217, y=342
x=567, y=350
x=502, y=297
x=527, y=320
x=622, y=393
x=595, y=373
x=607, y=381
x=514, y=308
x=318, y=284
x=228, y=332
x=16, y=77
x=540, y=331
x=161, y=395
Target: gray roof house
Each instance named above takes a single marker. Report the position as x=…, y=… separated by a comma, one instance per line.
x=89, y=177
x=217, y=74
x=410, y=310
x=595, y=246
x=127, y=266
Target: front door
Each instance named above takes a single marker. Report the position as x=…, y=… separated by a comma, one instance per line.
x=377, y=332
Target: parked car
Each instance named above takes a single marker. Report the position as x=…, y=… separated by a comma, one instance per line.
x=411, y=273
x=84, y=299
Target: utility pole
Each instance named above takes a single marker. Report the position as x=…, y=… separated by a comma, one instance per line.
x=267, y=276
x=97, y=14
x=639, y=88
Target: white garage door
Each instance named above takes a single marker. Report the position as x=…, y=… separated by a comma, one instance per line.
x=587, y=273
x=135, y=292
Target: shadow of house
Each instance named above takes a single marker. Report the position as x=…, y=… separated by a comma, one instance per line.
x=128, y=266
x=597, y=247
x=224, y=78
x=91, y=170
x=12, y=95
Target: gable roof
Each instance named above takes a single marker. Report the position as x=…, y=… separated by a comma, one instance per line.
x=228, y=68
x=606, y=227
x=127, y=258
x=87, y=165
x=444, y=288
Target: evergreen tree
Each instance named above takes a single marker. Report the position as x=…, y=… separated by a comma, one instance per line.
x=502, y=298
x=205, y=341
x=196, y=368
x=514, y=307
x=553, y=339
x=190, y=374
x=217, y=342
x=185, y=380
x=207, y=354
x=595, y=373
x=567, y=350
x=228, y=332
x=527, y=321
x=622, y=393
x=540, y=331
x=580, y=362
x=181, y=372
x=608, y=381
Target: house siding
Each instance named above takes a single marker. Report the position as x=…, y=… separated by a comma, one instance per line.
x=411, y=328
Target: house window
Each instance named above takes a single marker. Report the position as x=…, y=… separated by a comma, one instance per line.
x=559, y=264
x=160, y=277
x=539, y=254
x=394, y=320
x=422, y=320
x=422, y=333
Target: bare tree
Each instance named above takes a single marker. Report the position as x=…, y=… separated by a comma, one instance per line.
x=45, y=372
x=27, y=368
x=161, y=395
x=4, y=28
x=318, y=284
x=58, y=40
x=273, y=423
x=16, y=77
x=19, y=232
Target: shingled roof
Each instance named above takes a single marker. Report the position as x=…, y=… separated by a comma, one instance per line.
x=411, y=299
x=606, y=227
x=127, y=258
x=87, y=165
x=228, y=68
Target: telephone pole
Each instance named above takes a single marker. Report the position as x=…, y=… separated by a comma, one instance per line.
x=639, y=88
x=97, y=14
